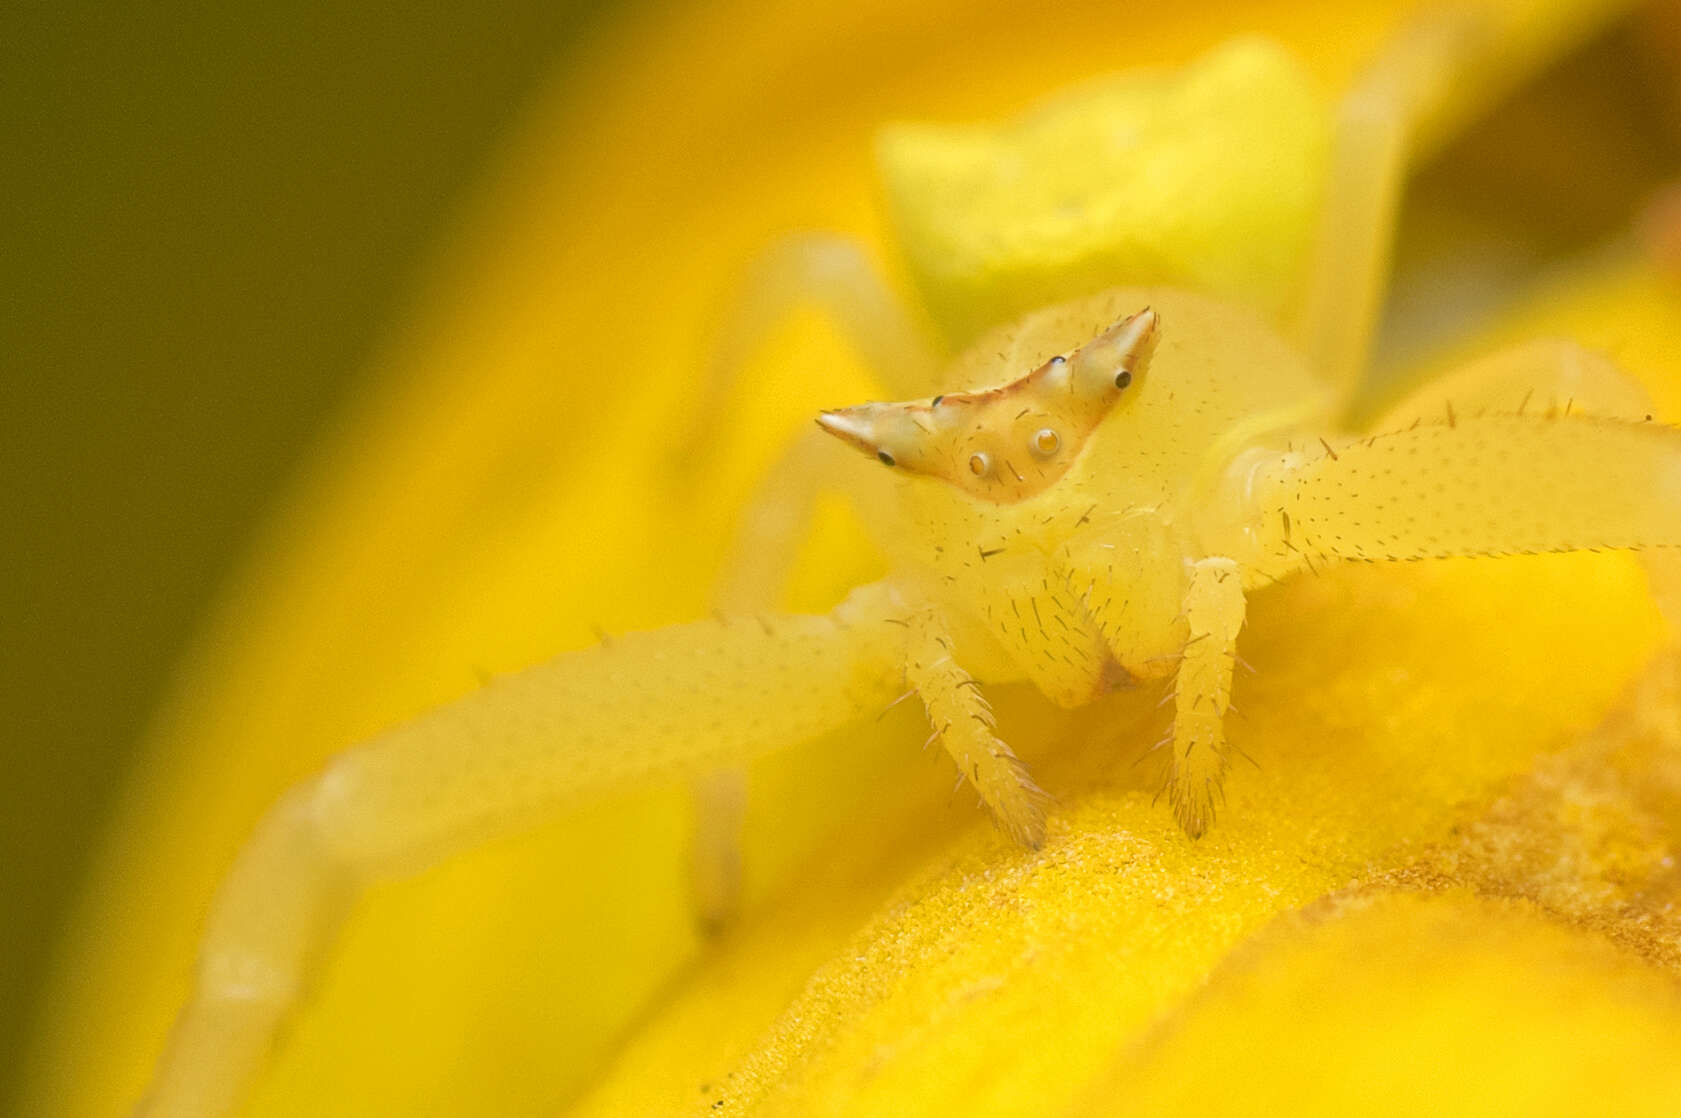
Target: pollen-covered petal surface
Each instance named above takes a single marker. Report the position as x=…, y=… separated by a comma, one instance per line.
x=1401, y=1004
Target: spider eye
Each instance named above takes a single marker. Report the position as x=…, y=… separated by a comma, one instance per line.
x=1123, y=378
x=980, y=464
x=1045, y=442
x=886, y=458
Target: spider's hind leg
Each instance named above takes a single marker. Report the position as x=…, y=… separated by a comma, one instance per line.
x=1373, y=145
x=834, y=276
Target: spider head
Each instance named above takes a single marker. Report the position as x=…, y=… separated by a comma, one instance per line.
x=1008, y=443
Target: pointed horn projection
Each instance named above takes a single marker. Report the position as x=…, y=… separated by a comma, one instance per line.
x=1120, y=353
x=852, y=425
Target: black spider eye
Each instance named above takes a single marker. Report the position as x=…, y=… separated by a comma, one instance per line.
x=1123, y=378
x=886, y=458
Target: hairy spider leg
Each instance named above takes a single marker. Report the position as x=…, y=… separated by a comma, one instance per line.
x=832, y=274
x=1202, y=691
x=964, y=727
x=835, y=276
x=1487, y=483
x=642, y=705
x=1547, y=376
x=1497, y=458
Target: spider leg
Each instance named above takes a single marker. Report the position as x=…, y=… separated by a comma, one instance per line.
x=718, y=801
x=1541, y=448
x=1547, y=376
x=834, y=275
x=963, y=724
x=775, y=521
x=1372, y=147
x=1539, y=377
x=1488, y=484
x=1214, y=609
x=500, y=760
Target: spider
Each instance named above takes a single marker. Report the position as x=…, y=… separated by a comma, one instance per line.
x=1085, y=503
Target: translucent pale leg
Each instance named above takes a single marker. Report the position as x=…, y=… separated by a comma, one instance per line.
x=1370, y=153
x=1542, y=377
x=773, y=525
x=1493, y=484
x=963, y=724
x=644, y=705
x=1203, y=690
x=718, y=800
x=1536, y=378
x=834, y=276
x=776, y=520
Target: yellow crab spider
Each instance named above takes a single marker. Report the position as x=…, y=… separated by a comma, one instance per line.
x=1087, y=504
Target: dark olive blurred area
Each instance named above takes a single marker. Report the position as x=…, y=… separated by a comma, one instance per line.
x=208, y=213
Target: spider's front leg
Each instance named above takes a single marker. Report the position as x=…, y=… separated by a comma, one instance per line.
x=1494, y=484
x=963, y=724
x=1472, y=467
x=638, y=707
x=1544, y=447
x=1546, y=377
x=1162, y=615
x=1377, y=137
